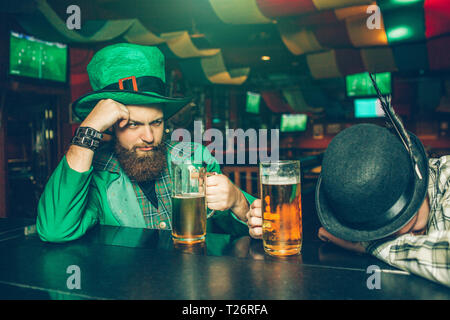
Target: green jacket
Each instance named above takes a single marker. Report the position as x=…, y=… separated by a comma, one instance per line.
x=73, y=202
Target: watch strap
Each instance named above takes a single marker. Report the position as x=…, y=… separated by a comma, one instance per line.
x=90, y=132
x=87, y=137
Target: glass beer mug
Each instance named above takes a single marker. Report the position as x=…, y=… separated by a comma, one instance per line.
x=281, y=207
x=189, y=207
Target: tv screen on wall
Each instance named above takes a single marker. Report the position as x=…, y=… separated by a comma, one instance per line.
x=34, y=58
x=293, y=122
x=253, y=102
x=360, y=85
x=368, y=108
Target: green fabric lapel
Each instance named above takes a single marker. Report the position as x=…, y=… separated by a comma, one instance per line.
x=123, y=203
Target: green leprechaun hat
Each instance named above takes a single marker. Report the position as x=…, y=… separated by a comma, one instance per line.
x=130, y=74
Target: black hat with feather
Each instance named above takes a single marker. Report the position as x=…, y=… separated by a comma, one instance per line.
x=373, y=179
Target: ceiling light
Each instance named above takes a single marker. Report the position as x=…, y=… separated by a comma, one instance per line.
x=405, y=1
x=399, y=33
x=197, y=35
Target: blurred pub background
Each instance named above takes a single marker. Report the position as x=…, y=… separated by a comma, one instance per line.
x=299, y=66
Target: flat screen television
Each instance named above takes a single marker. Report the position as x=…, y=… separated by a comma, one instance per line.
x=253, y=102
x=368, y=108
x=360, y=85
x=34, y=58
x=293, y=122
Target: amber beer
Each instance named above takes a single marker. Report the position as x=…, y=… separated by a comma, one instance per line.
x=282, y=214
x=188, y=218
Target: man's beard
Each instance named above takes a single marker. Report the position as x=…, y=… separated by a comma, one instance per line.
x=144, y=167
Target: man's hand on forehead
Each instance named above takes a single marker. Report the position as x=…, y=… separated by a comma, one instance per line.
x=107, y=113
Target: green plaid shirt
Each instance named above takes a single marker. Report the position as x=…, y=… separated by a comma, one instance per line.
x=155, y=218
x=426, y=255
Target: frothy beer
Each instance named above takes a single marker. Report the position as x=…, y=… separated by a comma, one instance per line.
x=282, y=215
x=188, y=218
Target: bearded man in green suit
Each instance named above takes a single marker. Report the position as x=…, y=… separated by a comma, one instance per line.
x=127, y=182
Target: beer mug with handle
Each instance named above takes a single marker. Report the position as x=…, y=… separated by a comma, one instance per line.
x=281, y=207
x=189, y=207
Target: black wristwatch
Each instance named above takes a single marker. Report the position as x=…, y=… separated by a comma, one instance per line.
x=87, y=137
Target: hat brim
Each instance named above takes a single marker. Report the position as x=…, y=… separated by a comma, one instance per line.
x=84, y=105
x=329, y=221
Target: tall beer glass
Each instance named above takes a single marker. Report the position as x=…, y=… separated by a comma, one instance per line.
x=188, y=203
x=281, y=207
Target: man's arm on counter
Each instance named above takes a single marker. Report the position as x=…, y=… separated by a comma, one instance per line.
x=68, y=206
x=427, y=255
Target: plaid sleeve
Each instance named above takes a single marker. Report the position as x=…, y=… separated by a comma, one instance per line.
x=427, y=256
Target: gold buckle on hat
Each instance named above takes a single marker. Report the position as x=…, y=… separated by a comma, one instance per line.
x=133, y=80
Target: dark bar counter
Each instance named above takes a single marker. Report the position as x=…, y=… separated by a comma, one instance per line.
x=128, y=263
